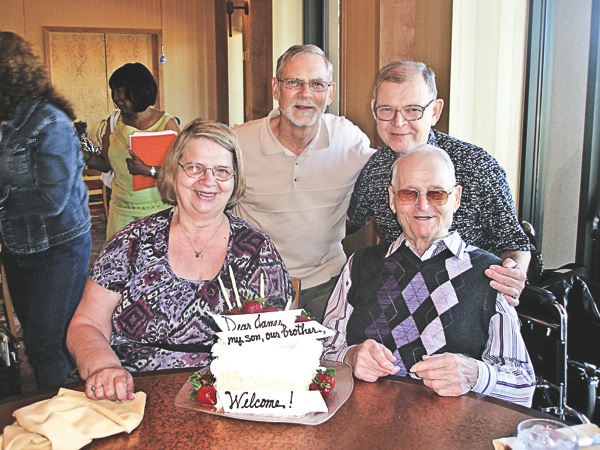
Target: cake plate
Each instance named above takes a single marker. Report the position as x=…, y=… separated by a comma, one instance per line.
x=344, y=384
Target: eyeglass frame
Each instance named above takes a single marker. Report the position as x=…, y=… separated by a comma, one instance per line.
x=399, y=110
x=302, y=83
x=448, y=193
x=206, y=168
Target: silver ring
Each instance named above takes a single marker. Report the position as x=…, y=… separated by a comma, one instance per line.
x=516, y=296
x=93, y=388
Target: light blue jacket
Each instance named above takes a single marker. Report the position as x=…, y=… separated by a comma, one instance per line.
x=43, y=199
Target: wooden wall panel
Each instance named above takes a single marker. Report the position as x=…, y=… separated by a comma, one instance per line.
x=191, y=69
x=188, y=30
x=132, y=14
x=433, y=45
x=359, y=61
x=258, y=68
x=398, y=40
x=78, y=70
x=11, y=18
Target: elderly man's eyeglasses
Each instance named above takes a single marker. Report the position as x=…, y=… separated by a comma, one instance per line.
x=437, y=197
x=294, y=84
x=410, y=112
x=194, y=170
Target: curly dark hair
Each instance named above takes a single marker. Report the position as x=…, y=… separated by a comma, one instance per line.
x=138, y=84
x=23, y=76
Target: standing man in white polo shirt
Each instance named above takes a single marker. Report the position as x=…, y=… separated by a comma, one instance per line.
x=301, y=165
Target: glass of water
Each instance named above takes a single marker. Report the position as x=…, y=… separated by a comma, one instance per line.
x=534, y=434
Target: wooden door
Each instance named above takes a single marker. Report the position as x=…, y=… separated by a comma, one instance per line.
x=81, y=62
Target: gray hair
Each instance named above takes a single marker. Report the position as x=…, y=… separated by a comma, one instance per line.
x=428, y=151
x=403, y=71
x=307, y=49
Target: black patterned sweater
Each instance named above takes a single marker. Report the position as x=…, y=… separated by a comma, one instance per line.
x=486, y=217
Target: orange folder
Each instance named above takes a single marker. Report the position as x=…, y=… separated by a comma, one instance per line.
x=152, y=148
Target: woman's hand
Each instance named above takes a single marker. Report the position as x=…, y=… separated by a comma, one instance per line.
x=136, y=166
x=112, y=383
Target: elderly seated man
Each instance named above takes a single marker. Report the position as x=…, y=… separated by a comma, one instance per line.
x=424, y=305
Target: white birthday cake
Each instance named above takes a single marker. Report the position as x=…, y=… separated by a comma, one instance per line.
x=265, y=363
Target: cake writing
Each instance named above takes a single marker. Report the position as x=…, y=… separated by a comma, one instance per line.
x=245, y=401
x=282, y=331
x=260, y=322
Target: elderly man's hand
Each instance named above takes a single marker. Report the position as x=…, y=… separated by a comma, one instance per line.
x=509, y=279
x=371, y=360
x=448, y=374
x=112, y=383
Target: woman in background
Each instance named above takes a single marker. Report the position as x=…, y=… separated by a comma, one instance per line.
x=44, y=213
x=134, y=91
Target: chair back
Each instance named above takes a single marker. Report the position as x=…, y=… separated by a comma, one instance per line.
x=296, y=282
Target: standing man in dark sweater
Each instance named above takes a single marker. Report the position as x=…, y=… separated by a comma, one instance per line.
x=423, y=305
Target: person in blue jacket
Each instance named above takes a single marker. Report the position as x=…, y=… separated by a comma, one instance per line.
x=44, y=212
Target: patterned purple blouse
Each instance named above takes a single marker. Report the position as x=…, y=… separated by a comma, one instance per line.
x=161, y=321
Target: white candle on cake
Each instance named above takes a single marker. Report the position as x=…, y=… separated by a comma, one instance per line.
x=262, y=286
x=224, y=293
x=234, y=286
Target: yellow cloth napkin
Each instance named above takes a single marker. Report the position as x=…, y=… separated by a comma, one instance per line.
x=584, y=430
x=70, y=420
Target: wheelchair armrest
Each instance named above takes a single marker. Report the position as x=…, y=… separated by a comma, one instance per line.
x=538, y=295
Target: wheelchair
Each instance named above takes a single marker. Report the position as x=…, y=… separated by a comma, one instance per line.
x=561, y=336
x=561, y=327
x=544, y=330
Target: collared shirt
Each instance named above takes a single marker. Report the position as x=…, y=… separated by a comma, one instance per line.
x=505, y=370
x=486, y=217
x=300, y=201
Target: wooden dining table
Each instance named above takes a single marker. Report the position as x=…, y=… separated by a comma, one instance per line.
x=393, y=412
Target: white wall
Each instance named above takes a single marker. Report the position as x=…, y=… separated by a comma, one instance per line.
x=487, y=77
x=565, y=137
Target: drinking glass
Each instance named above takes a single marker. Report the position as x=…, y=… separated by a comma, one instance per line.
x=543, y=434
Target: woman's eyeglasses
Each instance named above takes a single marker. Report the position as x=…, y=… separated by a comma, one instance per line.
x=195, y=170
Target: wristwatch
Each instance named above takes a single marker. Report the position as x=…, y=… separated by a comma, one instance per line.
x=153, y=172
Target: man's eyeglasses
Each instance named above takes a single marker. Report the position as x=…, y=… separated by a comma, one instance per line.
x=437, y=197
x=194, y=170
x=410, y=112
x=294, y=84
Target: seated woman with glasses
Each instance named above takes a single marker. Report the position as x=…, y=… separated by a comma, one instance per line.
x=423, y=305
x=148, y=300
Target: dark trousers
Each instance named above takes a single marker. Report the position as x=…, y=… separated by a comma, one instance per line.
x=46, y=288
x=314, y=299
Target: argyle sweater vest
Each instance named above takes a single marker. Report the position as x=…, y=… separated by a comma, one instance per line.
x=416, y=308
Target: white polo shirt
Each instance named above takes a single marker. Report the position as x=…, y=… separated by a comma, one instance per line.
x=301, y=201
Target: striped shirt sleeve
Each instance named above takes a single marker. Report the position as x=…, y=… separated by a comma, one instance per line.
x=506, y=371
x=336, y=316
